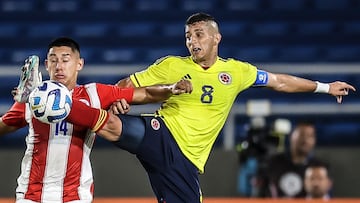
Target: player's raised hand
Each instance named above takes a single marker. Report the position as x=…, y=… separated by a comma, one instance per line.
x=183, y=86
x=340, y=89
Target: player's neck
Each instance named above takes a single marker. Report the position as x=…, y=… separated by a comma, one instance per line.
x=205, y=64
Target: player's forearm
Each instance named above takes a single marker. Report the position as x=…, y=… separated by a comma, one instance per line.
x=151, y=94
x=111, y=131
x=95, y=118
x=289, y=83
x=5, y=129
x=158, y=93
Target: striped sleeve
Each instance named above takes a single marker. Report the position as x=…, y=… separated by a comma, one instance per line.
x=103, y=117
x=15, y=116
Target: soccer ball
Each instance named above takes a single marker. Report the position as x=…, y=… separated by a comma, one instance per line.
x=50, y=102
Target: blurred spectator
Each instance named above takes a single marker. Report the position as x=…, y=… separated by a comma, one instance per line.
x=317, y=181
x=283, y=174
x=261, y=142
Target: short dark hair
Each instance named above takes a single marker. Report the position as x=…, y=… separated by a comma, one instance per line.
x=65, y=41
x=197, y=17
x=317, y=163
x=304, y=123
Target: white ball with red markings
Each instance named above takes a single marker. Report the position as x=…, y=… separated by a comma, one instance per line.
x=50, y=102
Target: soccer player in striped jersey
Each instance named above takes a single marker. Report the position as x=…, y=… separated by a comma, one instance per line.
x=56, y=166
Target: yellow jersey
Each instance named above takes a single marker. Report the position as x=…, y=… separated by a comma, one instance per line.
x=196, y=119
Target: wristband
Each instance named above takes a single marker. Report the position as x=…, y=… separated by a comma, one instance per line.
x=322, y=87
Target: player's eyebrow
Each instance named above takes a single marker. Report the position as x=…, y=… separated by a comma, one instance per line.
x=65, y=54
x=196, y=30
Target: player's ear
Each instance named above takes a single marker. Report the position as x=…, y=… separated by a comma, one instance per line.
x=80, y=64
x=217, y=38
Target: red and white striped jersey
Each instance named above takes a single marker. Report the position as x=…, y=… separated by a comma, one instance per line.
x=56, y=165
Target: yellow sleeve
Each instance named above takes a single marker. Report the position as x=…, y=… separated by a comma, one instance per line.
x=157, y=73
x=248, y=75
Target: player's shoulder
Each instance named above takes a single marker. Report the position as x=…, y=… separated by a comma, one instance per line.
x=87, y=87
x=171, y=59
x=237, y=64
x=233, y=61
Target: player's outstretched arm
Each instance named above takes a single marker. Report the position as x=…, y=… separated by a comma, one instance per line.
x=160, y=93
x=121, y=106
x=289, y=83
x=100, y=121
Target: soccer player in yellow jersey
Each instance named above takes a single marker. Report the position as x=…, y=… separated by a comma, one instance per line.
x=174, y=144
